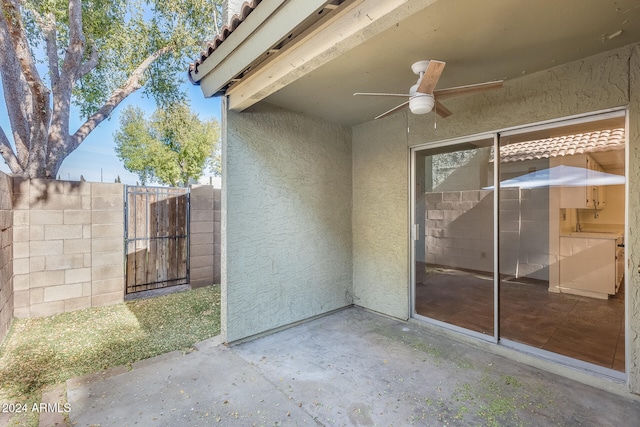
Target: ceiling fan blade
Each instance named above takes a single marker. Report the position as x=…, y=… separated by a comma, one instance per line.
x=393, y=110
x=431, y=76
x=441, y=110
x=403, y=95
x=464, y=90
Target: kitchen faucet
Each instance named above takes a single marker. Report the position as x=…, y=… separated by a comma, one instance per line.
x=578, y=225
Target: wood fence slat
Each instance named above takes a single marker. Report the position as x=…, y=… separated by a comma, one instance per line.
x=172, y=270
x=156, y=238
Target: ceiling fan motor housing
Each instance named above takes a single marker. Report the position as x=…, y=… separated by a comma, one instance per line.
x=420, y=67
x=420, y=103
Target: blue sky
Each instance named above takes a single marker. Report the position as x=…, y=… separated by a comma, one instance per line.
x=96, y=159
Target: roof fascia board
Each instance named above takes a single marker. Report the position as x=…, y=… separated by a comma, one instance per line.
x=237, y=38
x=265, y=26
x=351, y=25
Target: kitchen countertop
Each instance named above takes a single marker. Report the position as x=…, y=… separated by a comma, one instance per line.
x=594, y=234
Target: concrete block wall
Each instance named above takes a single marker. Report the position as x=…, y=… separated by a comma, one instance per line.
x=107, y=244
x=459, y=231
x=204, y=249
x=6, y=255
x=68, y=246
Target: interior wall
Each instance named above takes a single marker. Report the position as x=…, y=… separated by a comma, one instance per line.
x=380, y=166
x=286, y=219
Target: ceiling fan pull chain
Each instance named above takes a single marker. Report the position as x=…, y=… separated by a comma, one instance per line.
x=435, y=117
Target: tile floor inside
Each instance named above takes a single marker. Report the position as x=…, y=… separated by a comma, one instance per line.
x=583, y=328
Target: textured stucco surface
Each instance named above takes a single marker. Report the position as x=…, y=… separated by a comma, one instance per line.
x=380, y=217
x=286, y=219
x=632, y=245
x=315, y=216
x=381, y=174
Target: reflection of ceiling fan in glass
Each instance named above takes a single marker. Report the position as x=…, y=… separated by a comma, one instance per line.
x=423, y=97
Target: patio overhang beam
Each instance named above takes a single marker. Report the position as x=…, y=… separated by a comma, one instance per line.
x=340, y=30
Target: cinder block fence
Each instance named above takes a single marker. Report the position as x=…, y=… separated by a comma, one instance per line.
x=204, y=251
x=62, y=245
x=6, y=255
x=67, y=246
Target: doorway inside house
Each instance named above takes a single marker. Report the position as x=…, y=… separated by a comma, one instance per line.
x=518, y=239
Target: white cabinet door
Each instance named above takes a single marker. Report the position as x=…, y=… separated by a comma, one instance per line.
x=588, y=264
x=588, y=196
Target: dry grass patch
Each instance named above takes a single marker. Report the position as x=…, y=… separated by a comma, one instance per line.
x=47, y=351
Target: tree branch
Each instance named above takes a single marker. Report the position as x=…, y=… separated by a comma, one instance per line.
x=7, y=154
x=39, y=112
x=17, y=37
x=52, y=50
x=132, y=84
x=89, y=65
x=15, y=93
x=48, y=26
x=58, y=147
x=215, y=20
x=75, y=51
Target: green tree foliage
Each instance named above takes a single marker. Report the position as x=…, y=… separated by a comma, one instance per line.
x=170, y=148
x=97, y=52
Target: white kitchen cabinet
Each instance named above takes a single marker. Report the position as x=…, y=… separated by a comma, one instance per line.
x=590, y=264
x=588, y=196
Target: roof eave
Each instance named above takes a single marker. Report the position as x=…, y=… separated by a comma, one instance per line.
x=263, y=28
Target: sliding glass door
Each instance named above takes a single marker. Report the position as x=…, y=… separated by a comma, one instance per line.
x=453, y=235
x=562, y=222
x=541, y=267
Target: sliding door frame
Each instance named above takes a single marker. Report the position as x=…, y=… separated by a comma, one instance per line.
x=414, y=229
x=496, y=339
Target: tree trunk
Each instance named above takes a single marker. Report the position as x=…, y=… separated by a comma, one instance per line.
x=39, y=117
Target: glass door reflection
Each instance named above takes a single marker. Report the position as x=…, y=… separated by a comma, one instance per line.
x=454, y=235
x=562, y=222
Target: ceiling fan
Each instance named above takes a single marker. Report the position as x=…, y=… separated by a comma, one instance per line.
x=423, y=96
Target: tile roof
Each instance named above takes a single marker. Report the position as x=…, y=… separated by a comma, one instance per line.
x=567, y=145
x=246, y=9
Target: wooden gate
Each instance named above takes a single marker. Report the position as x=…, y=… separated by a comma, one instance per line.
x=156, y=237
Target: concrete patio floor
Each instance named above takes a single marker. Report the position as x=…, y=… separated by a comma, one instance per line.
x=352, y=367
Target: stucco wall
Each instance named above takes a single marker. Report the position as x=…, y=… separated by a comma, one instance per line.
x=380, y=217
x=286, y=219
x=6, y=255
x=596, y=83
x=632, y=245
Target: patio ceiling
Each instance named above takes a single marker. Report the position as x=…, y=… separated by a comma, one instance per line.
x=479, y=41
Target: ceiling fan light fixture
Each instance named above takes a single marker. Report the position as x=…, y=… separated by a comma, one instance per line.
x=421, y=95
x=421, y=103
